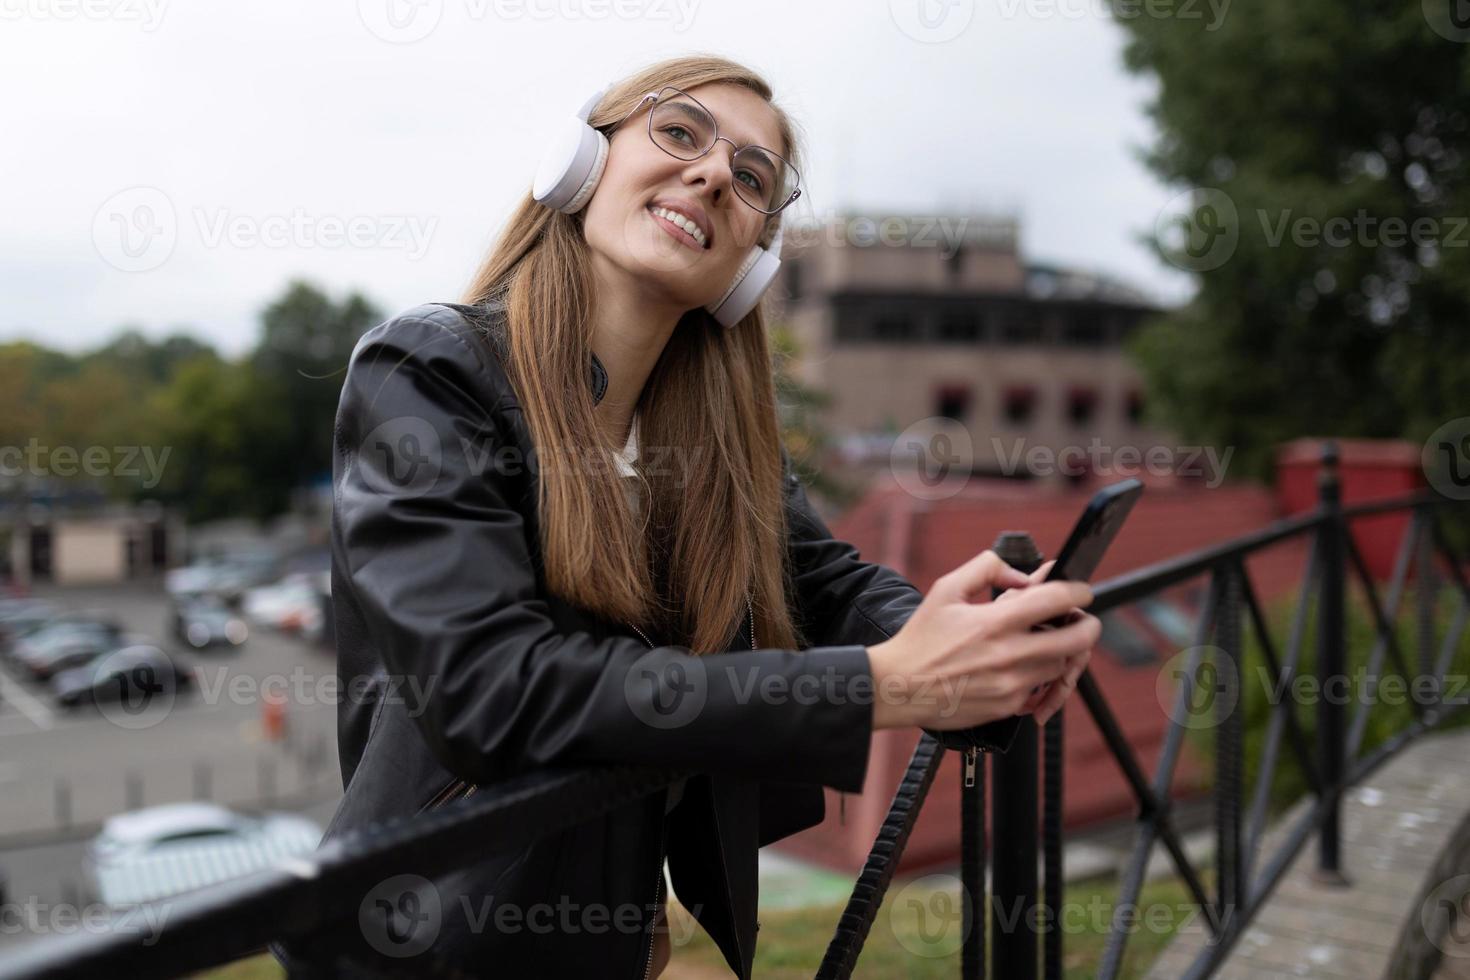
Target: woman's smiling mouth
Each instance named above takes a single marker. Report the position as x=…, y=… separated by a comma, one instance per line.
x=679, y=227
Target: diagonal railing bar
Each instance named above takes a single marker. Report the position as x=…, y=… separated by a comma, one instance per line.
x=1153, y=815
x=1283, y=715
x=872, y=883
x=1397, y=580
x=1382, y=623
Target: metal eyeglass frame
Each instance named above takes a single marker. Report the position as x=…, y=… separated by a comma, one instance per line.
x=735, y=149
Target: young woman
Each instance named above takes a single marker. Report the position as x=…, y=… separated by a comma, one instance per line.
x=513, y=592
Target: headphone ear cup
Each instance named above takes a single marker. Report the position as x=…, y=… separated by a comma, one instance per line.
x=570, y=167
x=755, y=275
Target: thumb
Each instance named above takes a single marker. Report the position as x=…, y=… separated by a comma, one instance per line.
x=972, y=580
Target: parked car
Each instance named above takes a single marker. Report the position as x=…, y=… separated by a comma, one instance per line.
x=288, y=604
x=226, y=577
x=206, y=621
x=62, y=647
x=137, y=673
x=166, y=850
x=32, y=644
x=21, y=616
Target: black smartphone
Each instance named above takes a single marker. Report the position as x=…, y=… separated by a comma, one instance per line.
x=1090, y=537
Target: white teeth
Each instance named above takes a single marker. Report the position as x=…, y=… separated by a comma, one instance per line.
x=682, y=222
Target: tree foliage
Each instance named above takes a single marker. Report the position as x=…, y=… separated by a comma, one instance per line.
x=1330, y=139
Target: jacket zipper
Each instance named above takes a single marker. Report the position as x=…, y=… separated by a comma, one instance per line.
x=659, y=886
x=454, y=791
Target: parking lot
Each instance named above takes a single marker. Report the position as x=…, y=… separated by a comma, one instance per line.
x=62, y=771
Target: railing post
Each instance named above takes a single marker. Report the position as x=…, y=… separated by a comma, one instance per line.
x=1331, y=673
x=1013, y=822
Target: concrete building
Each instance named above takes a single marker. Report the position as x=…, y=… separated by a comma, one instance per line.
x=75, y=545
x=941, y=318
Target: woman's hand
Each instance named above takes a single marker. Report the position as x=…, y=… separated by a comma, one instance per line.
x=962, y=660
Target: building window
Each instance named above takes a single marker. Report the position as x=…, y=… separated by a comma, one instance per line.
x=1083, y=330
x=959, y=328
x=1017, y=329
x=1081, y=404
x=1133, y=406
x=952, y=401
x=1019, y=403
x=893, y=328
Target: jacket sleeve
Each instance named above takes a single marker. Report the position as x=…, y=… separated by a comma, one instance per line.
x=427, y=519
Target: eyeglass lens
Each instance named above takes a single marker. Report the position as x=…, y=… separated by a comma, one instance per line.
x=683, y=128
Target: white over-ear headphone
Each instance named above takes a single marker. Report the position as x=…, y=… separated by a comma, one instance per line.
x=570, y=167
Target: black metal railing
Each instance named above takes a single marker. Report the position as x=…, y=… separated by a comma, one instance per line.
x=296, y=898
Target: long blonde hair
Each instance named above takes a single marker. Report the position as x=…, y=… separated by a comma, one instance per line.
x=715, y=524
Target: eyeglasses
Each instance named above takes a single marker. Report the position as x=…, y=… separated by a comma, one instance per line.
x=683, y=128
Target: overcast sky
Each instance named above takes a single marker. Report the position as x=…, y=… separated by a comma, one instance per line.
x=173, y=163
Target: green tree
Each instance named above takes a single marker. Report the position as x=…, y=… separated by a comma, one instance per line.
x=306, y=341
x=1280, y=118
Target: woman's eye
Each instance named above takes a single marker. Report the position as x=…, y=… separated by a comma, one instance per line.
x=670, y=130
x=755, y=182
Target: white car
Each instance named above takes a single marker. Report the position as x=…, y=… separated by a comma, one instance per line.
x=162, y=851
x=287, y=604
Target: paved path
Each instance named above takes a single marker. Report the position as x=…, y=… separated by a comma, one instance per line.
x=1405, y=845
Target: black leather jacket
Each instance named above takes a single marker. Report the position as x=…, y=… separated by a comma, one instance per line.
x=459, y=669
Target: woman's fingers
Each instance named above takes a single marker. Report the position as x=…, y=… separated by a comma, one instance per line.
x=1061, y=690
x=973, y=580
